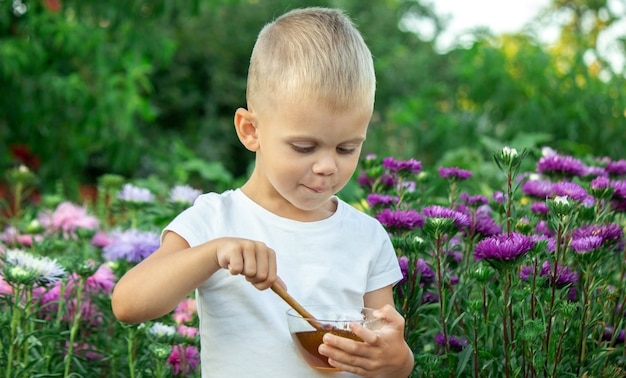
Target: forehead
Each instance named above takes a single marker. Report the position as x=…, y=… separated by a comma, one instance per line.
x=317, y=121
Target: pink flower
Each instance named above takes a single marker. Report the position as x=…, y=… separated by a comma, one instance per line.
x=102, y=281
x=185, y=311
x=100, y=239
x=187, y=331
x=184, y=359
x=67, y=218
x=5, y=288
x=87, y=351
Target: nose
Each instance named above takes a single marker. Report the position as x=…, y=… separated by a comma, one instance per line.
x=325, y=165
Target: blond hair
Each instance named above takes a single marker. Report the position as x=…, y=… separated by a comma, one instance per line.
x=311, y=54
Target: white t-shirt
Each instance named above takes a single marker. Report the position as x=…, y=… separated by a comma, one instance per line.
x=333, y=261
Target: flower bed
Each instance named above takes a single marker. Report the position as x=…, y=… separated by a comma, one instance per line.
x=525, y=280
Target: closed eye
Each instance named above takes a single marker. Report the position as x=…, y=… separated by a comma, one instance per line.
x=346, y=150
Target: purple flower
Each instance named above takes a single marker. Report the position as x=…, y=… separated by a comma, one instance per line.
x=435, y=211
x=376, y=199
x=564, y=165
x=526, y=272
x=610, y=235
x=403, y=261
x=586, y=244
x=609, y=334
x=600, y=183
x=563, y=276
x=427, y=274
x=503, y=247
x=616, y=168
x=454, y=173
x=386, y=180
x=409, y=166
x=485, y=225
x=499, y=196
x=131, y=245
x=400, y=219
x=539, y=208
x=573, y=191
x=537, y=188
x=473, y=201
x=454, y=343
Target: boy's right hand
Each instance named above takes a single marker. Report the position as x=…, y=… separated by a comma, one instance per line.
x=250, y=258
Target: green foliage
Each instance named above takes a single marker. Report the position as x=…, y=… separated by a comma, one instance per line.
x=95, y=87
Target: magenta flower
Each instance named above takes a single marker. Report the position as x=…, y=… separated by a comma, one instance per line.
x=100, y=239
x=184, y=359
x=67, y=218
x=102, y=281
x=454, y=343
x=539, y=208
x=436, y=211
x=573, y=191
x=473, y=201
x=131, y=245
x=454, y=173
x=376, y=199
x=537, y=188
x=187, y=331
x=563, y=165
x=616, y=168
x=503, y=247
x=400, y=219
x=407, y=166
x=564, y=276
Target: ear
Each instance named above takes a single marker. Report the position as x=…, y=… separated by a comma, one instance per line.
x=246, y=129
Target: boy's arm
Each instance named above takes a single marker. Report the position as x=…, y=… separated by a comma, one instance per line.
x=157, y=284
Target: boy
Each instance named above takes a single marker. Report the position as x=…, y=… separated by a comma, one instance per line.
x=310, y=98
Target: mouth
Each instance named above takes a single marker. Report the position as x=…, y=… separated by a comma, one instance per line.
x=318, y=189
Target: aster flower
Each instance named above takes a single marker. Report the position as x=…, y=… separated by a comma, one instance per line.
x=484, y=224
x=611, y=235
x=131, y=193
x=427, y=274
x=561, y=165
x=184, y=194
x=435, y=211
x=400, y=219
x=185, y=311
x=184, y=359
x=539, y=208
x=187, y=331
x=23, y=267
x=586, y=244
x=616, y=168
x=537, y=188
x=473, y=201
x=573, y=191
x=161, y=330
x=454, y=173
x=102, y=281
x=67, y=218
x=400, y=166
x=564, y=276
x=503, y=247
x=455, y=344
x=376, y=199
x=131, y=245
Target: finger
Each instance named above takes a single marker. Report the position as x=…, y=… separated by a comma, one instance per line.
x=367, y=335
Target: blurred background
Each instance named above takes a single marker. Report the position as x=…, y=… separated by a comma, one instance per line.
x=148, y=89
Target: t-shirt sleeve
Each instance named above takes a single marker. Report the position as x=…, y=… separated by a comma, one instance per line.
x=385, y=270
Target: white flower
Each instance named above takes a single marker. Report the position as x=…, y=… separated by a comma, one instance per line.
x=561, y=200
x=509, y=152
x=160, y=330
x=131, y=193
x=184, y=194
x=40, y=269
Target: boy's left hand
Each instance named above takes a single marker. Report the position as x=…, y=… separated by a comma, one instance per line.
x=383, y=353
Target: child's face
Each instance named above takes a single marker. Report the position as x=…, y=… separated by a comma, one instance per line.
x=306, y=154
